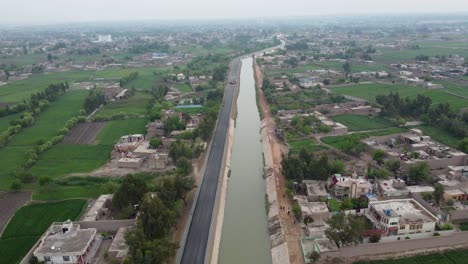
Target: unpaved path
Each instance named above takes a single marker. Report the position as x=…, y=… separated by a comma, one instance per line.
x=291, y=227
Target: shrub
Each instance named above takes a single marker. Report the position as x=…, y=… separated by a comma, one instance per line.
x=407, y=237
x=43, y=180
x=375, y=237
x=15, y=186
x=436, y=234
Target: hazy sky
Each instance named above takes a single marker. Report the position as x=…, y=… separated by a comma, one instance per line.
x=51, y=11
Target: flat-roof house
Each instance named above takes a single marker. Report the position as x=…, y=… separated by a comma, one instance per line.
x=67, y=243
x=401, y=217
x=315, y=190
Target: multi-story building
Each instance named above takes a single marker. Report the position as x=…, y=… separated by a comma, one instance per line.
x=353, y=186
x=401, y=217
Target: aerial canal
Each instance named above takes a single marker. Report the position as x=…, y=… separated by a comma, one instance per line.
x=244, y=236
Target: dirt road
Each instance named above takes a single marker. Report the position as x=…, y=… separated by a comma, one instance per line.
x=291, y=228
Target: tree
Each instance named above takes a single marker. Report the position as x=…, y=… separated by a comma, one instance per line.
x=297, y=210
x=419, y=172
x=184, y=166
x=345, y=229
x=156, y=219
x=314, y=256
x=378, y=155
x=392, y=165
x=49, y=57
x=155, y=143
x=15, y=185
x=43, y=180
x=347, y=68
x=438, y=193
x=463, y=146
x=131, y=192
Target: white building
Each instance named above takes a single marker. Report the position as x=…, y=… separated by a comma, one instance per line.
x=104, y=38
x=401, y=217
x=67, y=243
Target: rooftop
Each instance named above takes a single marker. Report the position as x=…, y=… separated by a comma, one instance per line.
x=118, y=244
x=97, y=205
x=72, y=242
x=408, y=210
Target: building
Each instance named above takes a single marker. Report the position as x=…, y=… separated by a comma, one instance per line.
x=391, y=187
x=104, y=38
x=336, y=128
x=67, y=243
x=353, y=186
x=180, y=77
x=100, y=208
x=158, y=161
x=119, y=248
x=401, y=217
x=159, y=56
x=316, y=190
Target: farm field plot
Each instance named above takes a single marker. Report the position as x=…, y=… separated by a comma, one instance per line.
x=370, y=91
x=310, y=144
x=9, y=203
x=183, y=87
x=338, y=66
x=84, y=133
x=5, y=121
x=47, y=125
x=19, y=90
x=428, y=48
x=450, y=257
x=63, y=159
x=337, y=141
x=23, y=60
x=359, y=122
x=441, y=136
x=136, y=104
x=30, y=222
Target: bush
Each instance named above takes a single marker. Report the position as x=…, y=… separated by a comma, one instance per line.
x=15, y=186
x=445, y=227
x=374, y=238
x=407, y=238
x=436, y=234
x=43, y=180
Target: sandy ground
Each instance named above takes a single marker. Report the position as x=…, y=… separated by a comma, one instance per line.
x=291, y=228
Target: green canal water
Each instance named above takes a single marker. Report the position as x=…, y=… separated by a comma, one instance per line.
x=245, y=237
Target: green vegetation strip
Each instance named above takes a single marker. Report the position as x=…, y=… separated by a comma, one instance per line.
x=337, y=140
x=370, y=91
x=30, y=222
x=359, y=122
x=450, y=257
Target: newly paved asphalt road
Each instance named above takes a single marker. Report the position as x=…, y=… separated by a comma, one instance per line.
x=198, y=234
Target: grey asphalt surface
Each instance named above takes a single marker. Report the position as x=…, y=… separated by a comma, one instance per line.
x=198, y=234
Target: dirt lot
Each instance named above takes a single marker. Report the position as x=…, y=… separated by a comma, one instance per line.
x=84, y=133
x=9, y=204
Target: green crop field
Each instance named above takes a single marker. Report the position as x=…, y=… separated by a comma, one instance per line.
x=310, y=144
x=19, y=90
x=359, y=122
x=441, y=136
x=428, y=48
x=63, y=159
x=454, y=88
x=183, y=88
x=5, y=121
x=336, y=141
x=134, y=105
x=338, y=66
x=23, y=60
x=370, y=91
x=30, y=222
x=449, y=257
x=68, y=192
x=47, y=125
